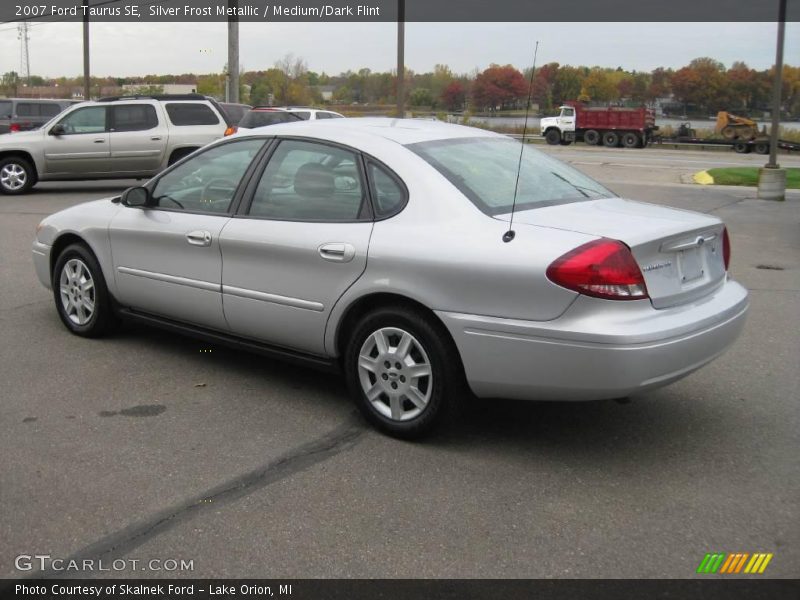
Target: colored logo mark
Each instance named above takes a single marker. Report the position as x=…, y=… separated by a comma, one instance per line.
x=736, y=562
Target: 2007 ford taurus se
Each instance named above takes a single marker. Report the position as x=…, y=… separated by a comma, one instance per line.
x=377, y=245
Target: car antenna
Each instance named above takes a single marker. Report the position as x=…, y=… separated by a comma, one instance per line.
x=509, y=235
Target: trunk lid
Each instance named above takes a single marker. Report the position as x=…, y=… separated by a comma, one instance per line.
x=679, y=252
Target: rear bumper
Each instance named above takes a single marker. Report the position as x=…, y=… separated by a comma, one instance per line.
x=598, y=348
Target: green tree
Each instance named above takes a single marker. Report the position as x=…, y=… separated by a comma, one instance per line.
x=421, y=97
x=599, y=86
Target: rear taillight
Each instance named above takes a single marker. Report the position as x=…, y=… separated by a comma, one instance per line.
x=603, y=268
x=231, y=130
x=14, y=128
x=726, y=247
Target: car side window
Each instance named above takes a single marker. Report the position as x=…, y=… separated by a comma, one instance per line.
x=324, y=115
x=133, y=117
x=27, y=109
x=90, y=119
x=5, y=109
x=206, y=182
x=308, y=181
x=49, y=110
x=191, y=113
x=303, y=114
x=388, y=195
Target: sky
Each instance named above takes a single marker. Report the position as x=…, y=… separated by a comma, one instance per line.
x=132, y=49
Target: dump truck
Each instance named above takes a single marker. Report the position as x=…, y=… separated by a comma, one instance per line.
x=610, y=126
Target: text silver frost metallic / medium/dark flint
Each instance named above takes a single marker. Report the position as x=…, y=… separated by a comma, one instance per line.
x=376, y=245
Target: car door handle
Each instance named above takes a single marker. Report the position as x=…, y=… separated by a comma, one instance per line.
x=99, y=141
x=156, y=138
x=337, y=252
x=199, y=238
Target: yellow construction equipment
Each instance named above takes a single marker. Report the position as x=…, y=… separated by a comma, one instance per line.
x=733, y=127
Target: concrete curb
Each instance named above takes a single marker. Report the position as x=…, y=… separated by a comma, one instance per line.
x=703, y=178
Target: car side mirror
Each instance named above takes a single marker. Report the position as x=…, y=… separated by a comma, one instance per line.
x=58, y=129
x=136, y=196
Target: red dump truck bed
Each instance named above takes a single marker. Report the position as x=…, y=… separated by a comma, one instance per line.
x=613, y=117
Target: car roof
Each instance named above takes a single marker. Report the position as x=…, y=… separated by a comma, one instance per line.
x=401, y=131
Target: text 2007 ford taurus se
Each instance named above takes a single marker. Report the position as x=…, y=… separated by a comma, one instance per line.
x=377, y=244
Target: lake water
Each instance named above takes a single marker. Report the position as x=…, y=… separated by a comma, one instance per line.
x=660, y=121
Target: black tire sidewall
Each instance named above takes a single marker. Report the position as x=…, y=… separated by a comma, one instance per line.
x=445, y=366
x=592, y=137
x=30, y=175
x=102, y=318
x=610, y=135
x=553, y=137
x=628, y=143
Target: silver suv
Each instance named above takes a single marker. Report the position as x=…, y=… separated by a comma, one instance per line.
x=23, y=114
x=113, y=138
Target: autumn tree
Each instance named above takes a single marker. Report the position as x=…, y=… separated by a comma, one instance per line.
x=702, y=83
x=454, y=96
x=499, y=86
x=599, y=85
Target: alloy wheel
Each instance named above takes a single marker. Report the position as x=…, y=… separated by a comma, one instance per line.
x=13, y=177
x=77, y=291
x=395, y=374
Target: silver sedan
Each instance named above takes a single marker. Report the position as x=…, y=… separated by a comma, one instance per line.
x=387, y=249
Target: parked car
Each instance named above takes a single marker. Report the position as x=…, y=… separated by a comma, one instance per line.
x=261, y=116
x=113, y=138
x=234, y=111
x=378, y=246
x=24, y=114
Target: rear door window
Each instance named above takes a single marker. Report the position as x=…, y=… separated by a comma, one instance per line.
x=308, y=181
x=5, y=109
x=49, y=110
x=190, y=113
x=133, y=117
x=303, y=114
x=27, y=109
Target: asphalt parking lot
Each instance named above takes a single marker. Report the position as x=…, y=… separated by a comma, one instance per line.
x=149, y=446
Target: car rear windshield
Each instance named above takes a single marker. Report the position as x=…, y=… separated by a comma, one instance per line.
x=485, y=171
x=257, y=118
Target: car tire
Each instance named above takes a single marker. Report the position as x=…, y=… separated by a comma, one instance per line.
x=631, y=140
x=403, y=371
x=553, y=137
x=80, y=293
x=17, y=176
x=762, y=148
x=610, y=139
x=741, y=148
x=591, y=137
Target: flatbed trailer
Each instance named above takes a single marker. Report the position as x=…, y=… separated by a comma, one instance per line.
x=758, y=145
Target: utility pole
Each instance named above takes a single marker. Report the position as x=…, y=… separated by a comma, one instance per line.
x=232, y=91
x=87, y=83
x=24, y=56
x=401, y=68
x=772, y=179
